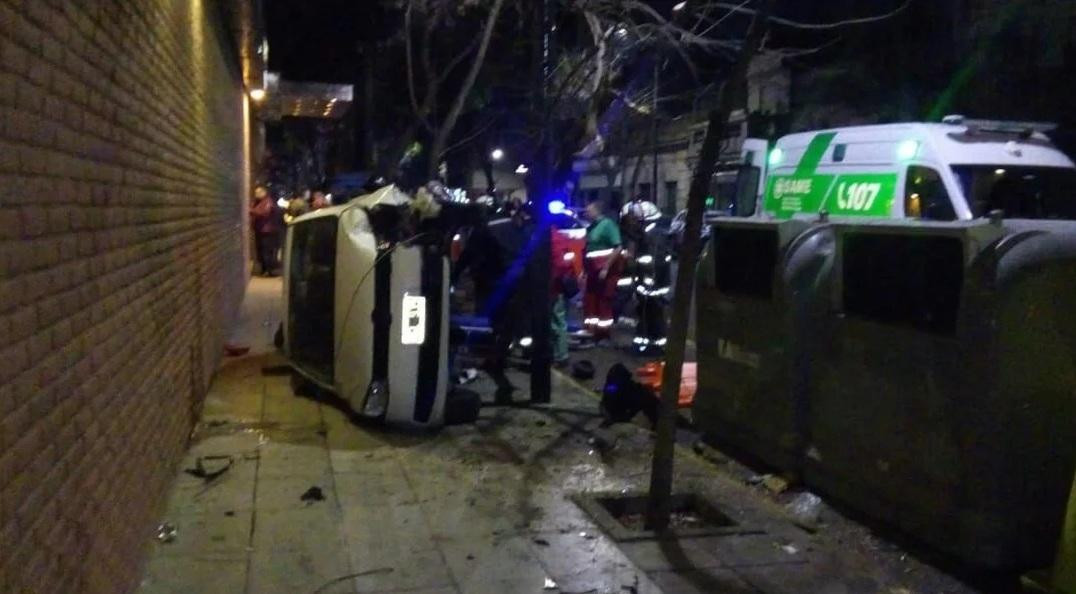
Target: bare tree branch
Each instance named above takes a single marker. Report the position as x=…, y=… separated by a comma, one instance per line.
x=481, y=130
x=458, y=59
x=741, y=9
x=410, y=66
x=441, y=138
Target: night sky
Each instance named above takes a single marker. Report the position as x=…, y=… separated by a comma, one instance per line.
x=315, y=40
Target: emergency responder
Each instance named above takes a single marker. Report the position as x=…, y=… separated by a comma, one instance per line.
x=602, y=264
x=496, y=253
x=648, y=243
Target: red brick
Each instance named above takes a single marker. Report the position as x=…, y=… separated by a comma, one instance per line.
x=117, y=184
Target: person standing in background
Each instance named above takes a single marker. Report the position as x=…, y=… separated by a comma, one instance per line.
x=602, y=268
x=318, y=200
x=565, y=285
x=265, y=219
x=297, y=207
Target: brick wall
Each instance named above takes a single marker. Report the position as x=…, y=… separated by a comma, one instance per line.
x=121, y=172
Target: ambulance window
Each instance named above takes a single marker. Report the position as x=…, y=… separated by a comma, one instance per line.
x=925, y=196
x=838, y=152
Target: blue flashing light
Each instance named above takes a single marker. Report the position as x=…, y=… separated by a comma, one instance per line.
x=556, y=207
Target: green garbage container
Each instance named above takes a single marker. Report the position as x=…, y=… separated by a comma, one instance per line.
x=943, y=398
x=756, y=311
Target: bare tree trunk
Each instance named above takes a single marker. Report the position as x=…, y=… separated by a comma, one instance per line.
x=732, y=94
x=444, y=131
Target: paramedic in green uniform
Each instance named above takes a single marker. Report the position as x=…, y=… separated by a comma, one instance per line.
x=602, y=269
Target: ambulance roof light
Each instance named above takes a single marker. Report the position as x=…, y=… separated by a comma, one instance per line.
x=907, y=150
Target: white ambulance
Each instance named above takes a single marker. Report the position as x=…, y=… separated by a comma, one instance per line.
x=956, y=169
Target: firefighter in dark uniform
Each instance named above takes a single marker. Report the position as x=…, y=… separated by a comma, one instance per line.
x=651, y=278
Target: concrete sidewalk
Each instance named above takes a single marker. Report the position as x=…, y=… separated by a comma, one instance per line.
x=470, y=509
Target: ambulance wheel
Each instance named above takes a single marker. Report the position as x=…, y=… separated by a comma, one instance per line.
x=462, y=406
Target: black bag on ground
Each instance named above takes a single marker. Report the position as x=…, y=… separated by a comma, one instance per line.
x=623, y=397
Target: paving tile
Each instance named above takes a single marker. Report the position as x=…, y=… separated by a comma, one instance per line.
x=515, y=586
x=230, y=492
x=282, y=405
x=703, y=581
x=556, y=512
x=385, y=531
x=374, y=489
x=579, y=564
x=204, y=574
x=475, y=561
x=243, y=406
x=281, y=459
x=285, y=492
x=755, y=549
x=378, y=458
x=302, y=570
x=414, y=570
x=299, y=528
x=474, y=516
x=814, y=578
x=206, y=532
x=232, y=444
x=684, y=554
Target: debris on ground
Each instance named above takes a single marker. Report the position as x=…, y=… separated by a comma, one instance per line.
x=755, y=479
x=806, y=510
x=313, y=494
x=466, y=376
x=209, y=468
x=324, y=587
x=230, y=513
x=775, y=484
x=541, y=541
x=549, y=584
x=790, y=549
x=166, y=532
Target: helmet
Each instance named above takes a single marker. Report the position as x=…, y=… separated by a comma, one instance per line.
x=644, y=210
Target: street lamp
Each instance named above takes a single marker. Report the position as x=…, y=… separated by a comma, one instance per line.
x=257, y=94
x=497, y=154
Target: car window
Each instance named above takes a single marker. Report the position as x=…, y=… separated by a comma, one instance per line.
x=925, y=196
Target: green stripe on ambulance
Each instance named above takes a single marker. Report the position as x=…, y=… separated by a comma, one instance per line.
x=804, y=191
